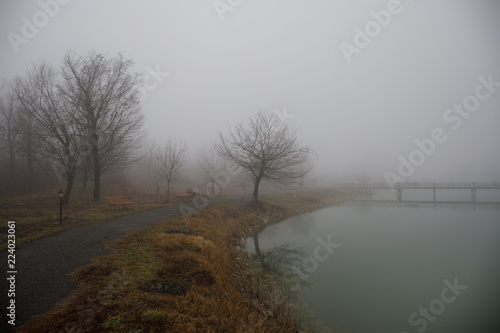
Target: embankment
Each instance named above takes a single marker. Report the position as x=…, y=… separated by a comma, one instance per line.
x=185, y=274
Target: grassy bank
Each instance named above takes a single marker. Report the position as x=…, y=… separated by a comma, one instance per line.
x=37, y=215
x=183, y=276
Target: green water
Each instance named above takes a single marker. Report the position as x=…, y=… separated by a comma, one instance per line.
x=391, y=263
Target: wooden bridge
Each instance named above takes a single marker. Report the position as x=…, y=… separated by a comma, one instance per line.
x=399, y=187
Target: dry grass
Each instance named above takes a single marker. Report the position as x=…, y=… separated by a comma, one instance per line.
x=37, y=215
x=173, y=278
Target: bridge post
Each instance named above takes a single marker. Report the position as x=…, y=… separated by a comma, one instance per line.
x=399, y=194
x=473, y=194
x=434, y=190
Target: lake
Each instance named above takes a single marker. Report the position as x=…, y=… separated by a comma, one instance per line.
x=392, y=267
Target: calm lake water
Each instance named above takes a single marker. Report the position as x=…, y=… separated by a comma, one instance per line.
x=394, y=268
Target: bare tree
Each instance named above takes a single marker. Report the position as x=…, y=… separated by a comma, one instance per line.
x=266, y=148
x=86, y=169
x=104, y=97
x=149, y=158
x=171, y=158
x=29, y=143
x=9, y=129
x=213, y=168
x=59, y=135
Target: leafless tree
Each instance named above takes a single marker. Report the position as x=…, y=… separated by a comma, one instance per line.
x=213, y=168
x=149, y=158
x=266, y=148
x=86, y=169
x=9, y=129
x=60, y=138
x=171, y=158
x=104, y=98
x=29, y=144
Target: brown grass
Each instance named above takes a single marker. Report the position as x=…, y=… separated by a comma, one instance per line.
x=173, y=278
x=37, y=215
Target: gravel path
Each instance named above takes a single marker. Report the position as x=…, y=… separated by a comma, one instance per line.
x=42, y=265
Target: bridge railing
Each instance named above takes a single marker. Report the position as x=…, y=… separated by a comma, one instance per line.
x=423, y=185
x=492, y=185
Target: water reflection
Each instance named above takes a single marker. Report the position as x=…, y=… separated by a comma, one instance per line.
x=283, y=259
x=281, y=262
x=280, y=269
x=303, y=224
x=394, y=258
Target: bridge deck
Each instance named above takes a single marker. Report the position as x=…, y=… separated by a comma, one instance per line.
x=423, y=186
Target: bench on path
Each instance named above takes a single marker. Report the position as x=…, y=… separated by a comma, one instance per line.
x=182, y=193
x=118, y=201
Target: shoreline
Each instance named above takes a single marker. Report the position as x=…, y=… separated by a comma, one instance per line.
x=270, y=301
x=180, y=277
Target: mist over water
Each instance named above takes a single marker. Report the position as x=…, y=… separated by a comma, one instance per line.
x=394, y=260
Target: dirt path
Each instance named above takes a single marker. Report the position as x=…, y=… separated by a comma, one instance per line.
x=42, y=265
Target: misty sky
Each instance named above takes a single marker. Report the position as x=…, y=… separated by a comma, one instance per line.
x=358, y=116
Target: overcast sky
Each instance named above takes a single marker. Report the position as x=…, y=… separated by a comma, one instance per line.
x=359, y=109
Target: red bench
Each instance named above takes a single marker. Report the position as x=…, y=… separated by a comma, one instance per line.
x=182, y=193
x=118, y=201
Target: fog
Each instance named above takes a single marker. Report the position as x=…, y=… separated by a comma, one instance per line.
x=359, y=108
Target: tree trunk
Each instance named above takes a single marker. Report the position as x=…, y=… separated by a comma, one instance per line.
x=97, y=174
x=168, y=190
x=85, y=172
x=256, y=188
x=97, y=187
x=84, y=180
x=31, y=172
x=12, y=166
x=69, y=187
x=258, y=252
